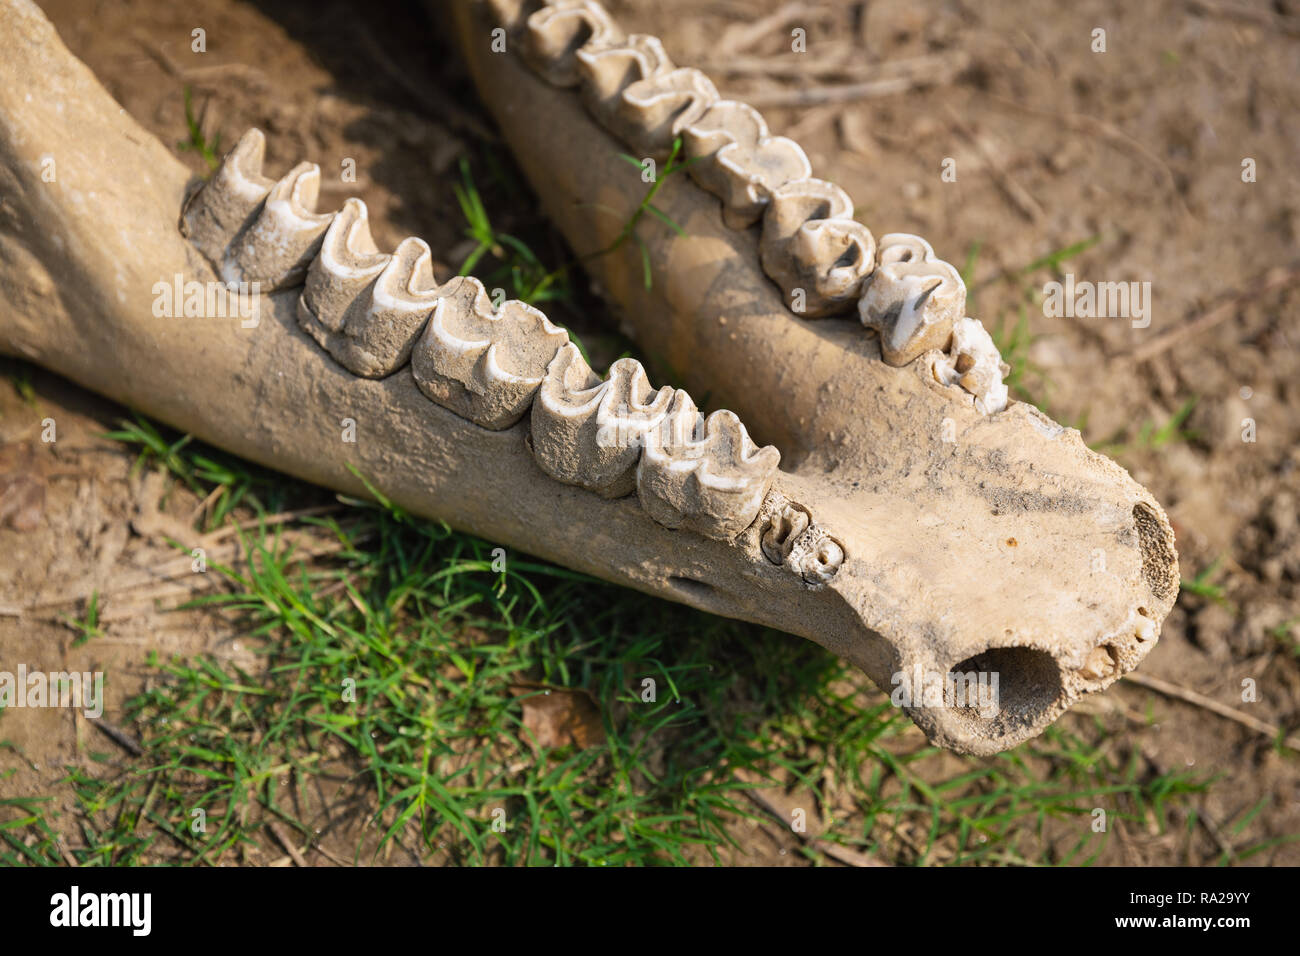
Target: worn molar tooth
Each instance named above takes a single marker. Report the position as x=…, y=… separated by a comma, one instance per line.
x=785, y=523
x=589, y=432
x=554, y=34
x=913, y=299
x=277, y=247
x=606, y=70
x=229, y=200
x=972, y=362
x=791, y=538
x=381, y=326
x=397, y=306
x=651, y=113
x=483, y=365
x=815, y=556
x=742, y=164
x=707, y=476
x=348, y=262
x=813, y=248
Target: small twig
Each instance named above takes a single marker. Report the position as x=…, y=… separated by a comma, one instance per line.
x=791, y=65
x=889, y=79
x=1213, y=830
x=834, y=851
x=282, y=836
x=119, y=737
x=1273, y=279
x=1081, y=122
x=316, y=847
x=64, y=852
x=1019, y=196
x=1223, y=710
x=742, y=36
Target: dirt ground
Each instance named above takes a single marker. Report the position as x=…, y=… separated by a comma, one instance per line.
x=1140, y=147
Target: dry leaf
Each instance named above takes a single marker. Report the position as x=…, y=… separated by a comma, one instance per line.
x=559, y=716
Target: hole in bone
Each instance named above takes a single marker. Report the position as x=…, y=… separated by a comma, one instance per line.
x=905, y=255
x=699, y=593
x=1028, y=689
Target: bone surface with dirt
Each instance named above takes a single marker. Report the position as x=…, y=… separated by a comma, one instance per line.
x=902, y=553
x=980, y=531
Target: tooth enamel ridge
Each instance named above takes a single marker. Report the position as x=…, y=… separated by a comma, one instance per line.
x=812, y=244
x=823, y=260
x=348, y=262
x=703, y=474
x=652, y=112
x=374, y=312
x=555, y=33
x=483, y=364
x=606, y=70
x=277, y=247
x=589, y=432
x=392, y=296
x=745, y=164
x=228, y=203
x=972, y=362
x=790, y=538
x=913, y=299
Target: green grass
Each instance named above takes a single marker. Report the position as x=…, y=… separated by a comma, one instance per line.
x=1203, y=585
x=222, y=480
x=197, y=141
x=531, y=280
x=1010, y=331
x=1282, y=634
x=88, y=627
x=1150, y=435
x=438, y=644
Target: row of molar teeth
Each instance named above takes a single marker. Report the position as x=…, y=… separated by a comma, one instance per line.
x=822, y=259
x=628, y=82
x=367, y=309
x=482, y=363
x=811, y=245
x=619, y=435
